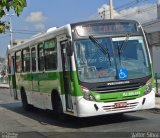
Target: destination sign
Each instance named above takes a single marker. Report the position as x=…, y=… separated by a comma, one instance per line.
x=106, y=28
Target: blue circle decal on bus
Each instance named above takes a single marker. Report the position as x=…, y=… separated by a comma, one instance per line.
x=122, y=74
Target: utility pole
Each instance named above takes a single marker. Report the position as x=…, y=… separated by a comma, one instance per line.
x=111, y=8
x=15, y=95
x=158, y=9
x=11, y=29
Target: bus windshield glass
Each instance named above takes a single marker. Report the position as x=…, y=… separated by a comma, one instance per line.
x=126, y=58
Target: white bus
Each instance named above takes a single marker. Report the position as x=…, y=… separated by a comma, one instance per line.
x=85, y=69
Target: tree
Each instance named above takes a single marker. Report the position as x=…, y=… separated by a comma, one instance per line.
x=5, y=6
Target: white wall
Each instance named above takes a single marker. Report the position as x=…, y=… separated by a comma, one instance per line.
x=156, y=58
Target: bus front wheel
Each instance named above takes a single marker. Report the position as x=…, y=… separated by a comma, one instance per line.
x=57, y=106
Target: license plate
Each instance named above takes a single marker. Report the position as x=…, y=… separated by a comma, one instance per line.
x=120, y=105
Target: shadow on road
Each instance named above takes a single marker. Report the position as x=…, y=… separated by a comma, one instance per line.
x=46, y=117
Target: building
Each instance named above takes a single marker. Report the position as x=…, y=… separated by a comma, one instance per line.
x=18, y=41
x=152, y=29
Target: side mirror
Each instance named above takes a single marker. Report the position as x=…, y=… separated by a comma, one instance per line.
x=69, y=48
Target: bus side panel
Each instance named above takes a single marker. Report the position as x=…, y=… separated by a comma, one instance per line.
x=24, y=81
x=48, y=81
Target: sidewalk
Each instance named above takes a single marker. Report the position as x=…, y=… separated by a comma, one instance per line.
x=158, y=102
x=5, y=85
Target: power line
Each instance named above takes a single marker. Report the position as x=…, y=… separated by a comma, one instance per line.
x=4, y=36
x=123, y=7
x=129, y=5
x=18, y=32
x=139, y=11
x=23, y=32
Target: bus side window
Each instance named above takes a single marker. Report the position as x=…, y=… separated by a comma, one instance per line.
x=18, y=62
x=26, y=60
x=50, y=49
x=33, y=59
x=41, y=64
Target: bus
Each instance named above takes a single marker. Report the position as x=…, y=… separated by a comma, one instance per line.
x=84, y=69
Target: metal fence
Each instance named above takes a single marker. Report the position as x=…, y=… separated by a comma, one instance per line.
x=3, y=80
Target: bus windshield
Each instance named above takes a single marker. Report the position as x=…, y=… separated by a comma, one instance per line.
x=126, y=58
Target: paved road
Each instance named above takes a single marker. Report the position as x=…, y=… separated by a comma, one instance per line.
x=40, y=123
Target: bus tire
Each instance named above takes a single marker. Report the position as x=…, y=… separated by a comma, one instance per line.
x=25, y=104
x=57, y=105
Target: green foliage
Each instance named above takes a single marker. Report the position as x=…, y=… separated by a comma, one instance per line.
x=6, y=6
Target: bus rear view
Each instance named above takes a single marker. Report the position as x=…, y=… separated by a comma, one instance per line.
x=113, y=68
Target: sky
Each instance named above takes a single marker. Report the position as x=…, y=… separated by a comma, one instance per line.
x=39, y=15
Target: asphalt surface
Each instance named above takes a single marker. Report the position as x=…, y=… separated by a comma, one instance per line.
x=15, y=122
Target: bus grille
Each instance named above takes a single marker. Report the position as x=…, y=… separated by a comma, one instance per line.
x=115, y=86
x=112, y=108
x=126, y=87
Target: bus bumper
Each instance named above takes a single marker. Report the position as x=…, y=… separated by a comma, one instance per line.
x=91, y=108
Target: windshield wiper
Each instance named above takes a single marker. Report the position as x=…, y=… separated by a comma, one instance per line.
x=123, y=46
x=104, y=50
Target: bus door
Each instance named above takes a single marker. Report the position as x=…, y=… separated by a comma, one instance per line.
x=66, y=66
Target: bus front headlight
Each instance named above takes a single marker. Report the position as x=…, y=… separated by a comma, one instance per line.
x=148, y=87
x=86, y=94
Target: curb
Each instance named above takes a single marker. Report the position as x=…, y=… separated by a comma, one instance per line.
x=4, y=86
x=155, y=110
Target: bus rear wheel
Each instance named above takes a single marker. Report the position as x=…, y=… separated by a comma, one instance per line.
x=25, y=104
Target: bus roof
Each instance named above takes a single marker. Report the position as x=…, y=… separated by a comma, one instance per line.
x=50, y=33
x=103, y=21
x=53, y=32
